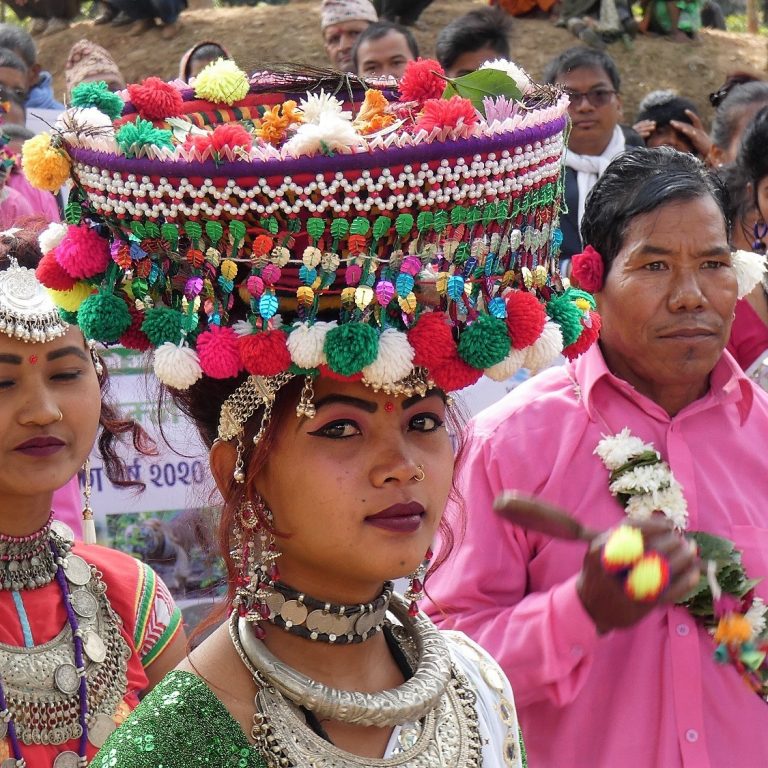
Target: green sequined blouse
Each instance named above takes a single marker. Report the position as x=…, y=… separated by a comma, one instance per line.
x=179, y=723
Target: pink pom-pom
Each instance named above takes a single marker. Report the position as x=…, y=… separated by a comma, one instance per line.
x=219, y=352
x=82, y=252
x=266, y=353
x=155, y=99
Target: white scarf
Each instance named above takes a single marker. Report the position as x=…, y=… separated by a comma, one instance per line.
x=590, y=167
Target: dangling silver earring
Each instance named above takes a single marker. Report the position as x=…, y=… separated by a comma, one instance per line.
x=89, y=527
x=239, y=473
x=97, y=364
x=415, y=590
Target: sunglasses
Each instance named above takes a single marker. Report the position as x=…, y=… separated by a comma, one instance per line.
x=597, y=98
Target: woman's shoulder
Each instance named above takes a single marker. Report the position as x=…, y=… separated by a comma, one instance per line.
x=181, y=721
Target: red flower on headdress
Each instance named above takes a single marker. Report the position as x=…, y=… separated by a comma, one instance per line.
x=587, y=270
x=422, y=80
x=586, y=338
x=155, y=99
x=446, y=113
x=231, y=135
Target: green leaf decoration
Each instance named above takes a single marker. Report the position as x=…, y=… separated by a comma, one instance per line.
x=403, y=224
x=482, y=83
x=237, y=230
x=489, y=213
x=339, y=228
x=381, y=227
x=214, y=231
x=139, y=287
x=151, y=229
x=502, y=211
x=293, y=225
x=73, y=213
x=272, y=226
x=170, y=232
x=359, y=226
x=474, y=215
x=458, y=215
x=137, y=228
x=315, y=228
x=424, y=221
x=462, y=254
x=194, y=230
x=440, y=222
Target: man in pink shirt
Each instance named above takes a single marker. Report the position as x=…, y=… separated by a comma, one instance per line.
x=601, y=681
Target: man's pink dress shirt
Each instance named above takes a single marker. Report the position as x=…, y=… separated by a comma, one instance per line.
x=651, y=696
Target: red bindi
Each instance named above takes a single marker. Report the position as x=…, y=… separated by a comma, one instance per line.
x=32, y=359
x=389, y=406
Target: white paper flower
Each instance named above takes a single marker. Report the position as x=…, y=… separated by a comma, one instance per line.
x=306, y=341
x=518, y=74
x=83, y=125
x=617, y=450
x=544, y=351
x=394, y=360
x=51, y=236
x=176, y=367
x=508, y=367
x=669, y=501
x=749, y=268
x=756, y=617
x=321, y=105
x=329, y=134
x=643, y=479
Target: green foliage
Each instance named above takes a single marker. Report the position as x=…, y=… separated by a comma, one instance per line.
x=481, y=84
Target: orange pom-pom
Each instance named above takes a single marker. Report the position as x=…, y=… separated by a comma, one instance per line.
x=733, y=629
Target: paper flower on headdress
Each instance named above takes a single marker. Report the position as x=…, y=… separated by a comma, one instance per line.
x=750, y=269
x=587, y=270
x=455, y=114
x=222, y=82
x=518, y=74
x=45, y=166
x=422, y=80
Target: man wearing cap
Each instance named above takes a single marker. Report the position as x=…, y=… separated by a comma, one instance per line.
x=341, y=22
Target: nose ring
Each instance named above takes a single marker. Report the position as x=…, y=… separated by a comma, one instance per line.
x=61, y=415
x=420, y=475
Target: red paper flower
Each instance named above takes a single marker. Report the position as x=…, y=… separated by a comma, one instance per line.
x=231, y=135
x=446, y=113
x=587, y=270
x=525, y=318
x=155, y=99
x=262, y=245
x=432, y=341
x=219, y=352
x=586, y=338
x=266, y=353
x=421, y=81
x=52, y=275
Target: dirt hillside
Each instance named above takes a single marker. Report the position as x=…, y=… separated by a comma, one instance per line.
x=255, y=35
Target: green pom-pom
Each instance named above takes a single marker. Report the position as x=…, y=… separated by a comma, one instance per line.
x=103, y=317
x=485, y=343
x=163, y=324
x=67, y=316
x=575, y=293
x=350, y=347
x=141, y=133
x=568, y=316
x=98, y=95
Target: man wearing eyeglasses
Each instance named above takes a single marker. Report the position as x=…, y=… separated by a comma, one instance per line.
x=592, y=80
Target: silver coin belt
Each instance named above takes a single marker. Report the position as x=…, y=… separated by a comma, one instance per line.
x=302, y=615
x=28, y=563
x=42, y=683
x=448, y=736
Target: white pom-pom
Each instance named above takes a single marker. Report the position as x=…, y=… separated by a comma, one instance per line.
x=81, y=125
x=51, y=236
x=518, y=74
x=394, y=360
x=306, y=341
x=508, y=367
x=750, y=270
x=544, y=351
x=176, y=367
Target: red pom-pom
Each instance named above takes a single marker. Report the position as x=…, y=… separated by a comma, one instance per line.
x=231, y=135
x=199, y=142
x=454, y=375
x=587, y=270
x=155, y=99
x=421, y=81
x=219, y=352
x=446, y=113
x=586, y=338
x=266, y=353
x=327, y=372
x=134, y=337
x=52, y=275
x=432, y=341
x=82, y=252
x=526, y=317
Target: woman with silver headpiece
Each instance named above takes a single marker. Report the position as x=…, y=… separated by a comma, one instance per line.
x=83, y=630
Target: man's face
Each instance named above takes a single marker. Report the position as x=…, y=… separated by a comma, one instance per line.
x=384, y=57
x=471, y=60
x=14, y=81
x=339, y=39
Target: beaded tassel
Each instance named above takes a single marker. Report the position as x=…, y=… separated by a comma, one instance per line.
x=89, y=527
x=415, y=590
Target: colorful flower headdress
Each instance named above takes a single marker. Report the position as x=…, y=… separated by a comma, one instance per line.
x=303, y=222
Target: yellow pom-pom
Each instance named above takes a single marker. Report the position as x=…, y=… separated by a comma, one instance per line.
x=73, y=298
x=733, y=629
x=228, y=269
x=623, y=548
x=582, y=304
x=222, y=82
x=648, y=577
x=45, y=166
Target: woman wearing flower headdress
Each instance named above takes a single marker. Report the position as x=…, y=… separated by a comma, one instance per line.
x=312, y=293
x=83, y=630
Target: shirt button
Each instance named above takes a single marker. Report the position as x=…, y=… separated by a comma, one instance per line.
x=577, y=651
x=691, y=735
x=683, y=630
